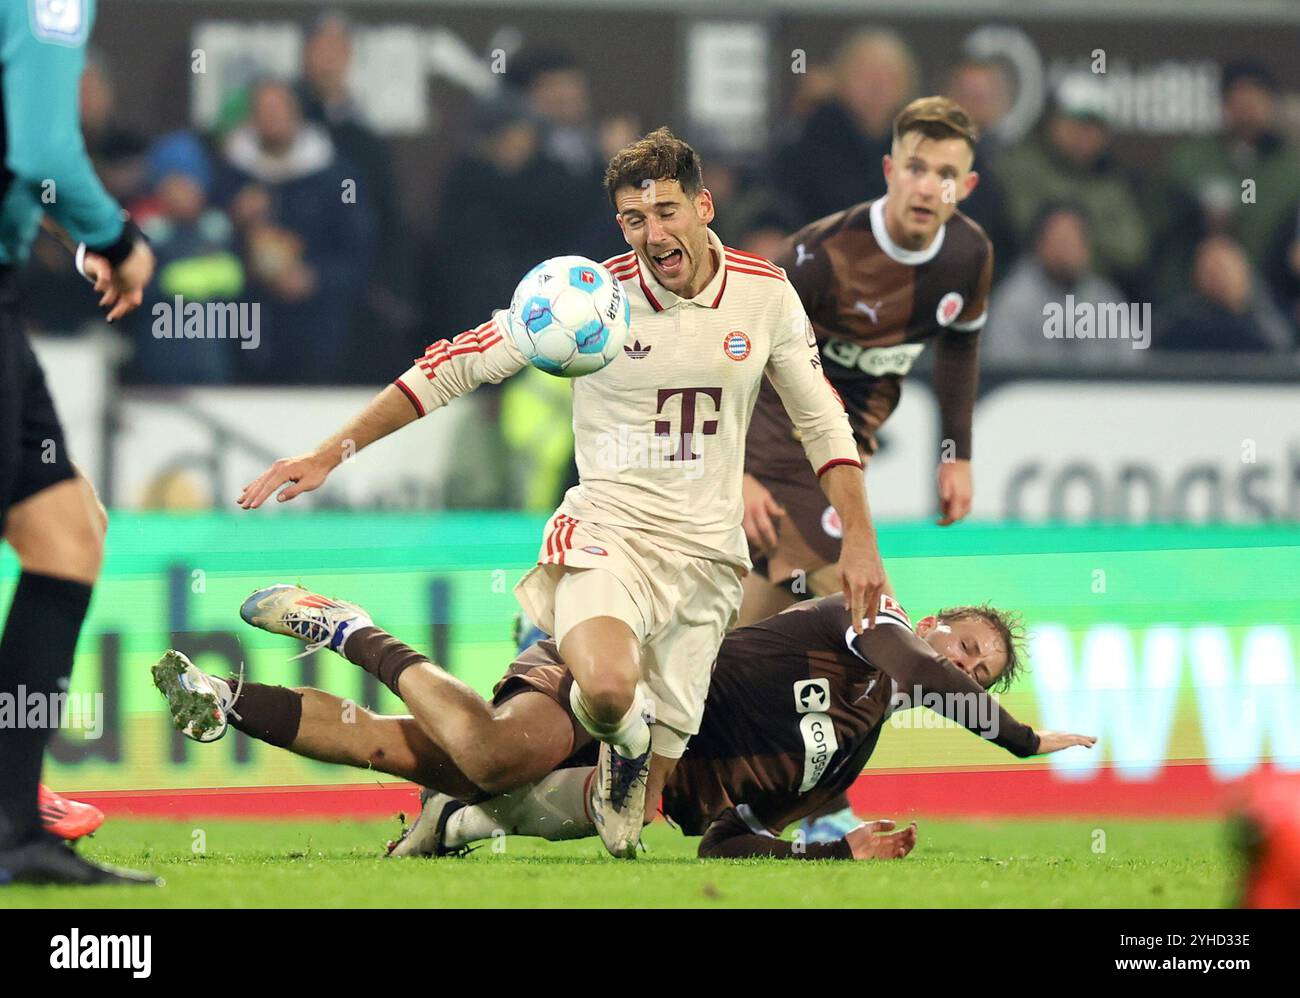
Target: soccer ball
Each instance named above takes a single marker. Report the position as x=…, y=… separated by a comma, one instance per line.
x=569, y=316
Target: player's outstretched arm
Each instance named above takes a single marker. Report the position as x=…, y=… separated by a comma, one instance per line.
x=447, y=370
x=729, y=836
x=1054, y=741
x=388, y=411
x=926, y=678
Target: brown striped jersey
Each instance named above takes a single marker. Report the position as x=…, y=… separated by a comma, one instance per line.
x=874, y=305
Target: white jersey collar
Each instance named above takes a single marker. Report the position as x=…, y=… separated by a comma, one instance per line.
x=895, y=252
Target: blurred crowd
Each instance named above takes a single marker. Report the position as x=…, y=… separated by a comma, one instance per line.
x=265, y=209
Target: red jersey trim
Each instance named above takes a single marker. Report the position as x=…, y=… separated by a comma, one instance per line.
x=470, y=341
x=753, y=260
x=756, y=273
x=645, y=290
x=718, y=300
x=620, y=260
x=419, y=409
x=654, y=302
x=839, y=460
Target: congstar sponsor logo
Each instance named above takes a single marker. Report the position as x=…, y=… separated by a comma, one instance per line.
x=91, y=951
x=819, y=746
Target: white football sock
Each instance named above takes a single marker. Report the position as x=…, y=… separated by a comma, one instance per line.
x=630, y=735
x=553, y=808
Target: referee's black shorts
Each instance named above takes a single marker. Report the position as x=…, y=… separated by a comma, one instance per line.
x=33, y=455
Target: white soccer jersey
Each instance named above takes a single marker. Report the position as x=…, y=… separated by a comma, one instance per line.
x=660, y=432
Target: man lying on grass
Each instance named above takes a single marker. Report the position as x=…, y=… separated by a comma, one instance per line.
x=795, y=709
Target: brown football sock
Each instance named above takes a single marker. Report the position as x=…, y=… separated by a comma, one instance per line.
x=269, y=713
x=381, y=655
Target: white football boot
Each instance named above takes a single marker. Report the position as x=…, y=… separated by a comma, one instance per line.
x=424, y=836
x=618, y=800
x=299, y=613
x=198, y=702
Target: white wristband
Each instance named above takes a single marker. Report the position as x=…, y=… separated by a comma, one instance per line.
x=80, y=259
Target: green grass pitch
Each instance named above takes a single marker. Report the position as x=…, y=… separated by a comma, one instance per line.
x=1039, y=863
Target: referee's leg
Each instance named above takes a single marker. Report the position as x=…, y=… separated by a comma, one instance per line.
x=58, y=535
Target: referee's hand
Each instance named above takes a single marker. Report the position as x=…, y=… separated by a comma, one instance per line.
x=121, y=288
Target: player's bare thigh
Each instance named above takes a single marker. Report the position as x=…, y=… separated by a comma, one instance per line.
x=59, y=531
x=530, y=736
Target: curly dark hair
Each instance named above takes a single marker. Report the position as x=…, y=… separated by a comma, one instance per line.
x=661, y=155
x=1010, y=628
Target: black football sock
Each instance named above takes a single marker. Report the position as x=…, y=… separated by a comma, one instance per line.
x=36, y=651
x=381, y=655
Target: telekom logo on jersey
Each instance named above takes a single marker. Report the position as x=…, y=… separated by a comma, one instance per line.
x=675, y=443
x=686, y=439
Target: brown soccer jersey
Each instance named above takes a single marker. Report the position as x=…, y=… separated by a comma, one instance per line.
x=874, y=306
x=796, y=707
x=792, y=717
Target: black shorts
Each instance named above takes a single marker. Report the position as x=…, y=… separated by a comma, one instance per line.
x=33, y=455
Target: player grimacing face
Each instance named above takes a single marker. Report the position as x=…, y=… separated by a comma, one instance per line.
x=669, y=232
x=926, y=178
x=971, y=644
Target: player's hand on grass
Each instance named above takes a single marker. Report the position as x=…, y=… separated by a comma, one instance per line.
x=761, y=512
x=121, y=288
x=862, y=577
x=301, y=474
x=1054, y=741
x=879, y=840
x=955, y=491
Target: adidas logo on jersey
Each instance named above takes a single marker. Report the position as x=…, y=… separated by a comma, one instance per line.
x=636, y=351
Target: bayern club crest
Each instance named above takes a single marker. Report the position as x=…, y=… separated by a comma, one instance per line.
x=736, y=345
x=950, y=306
